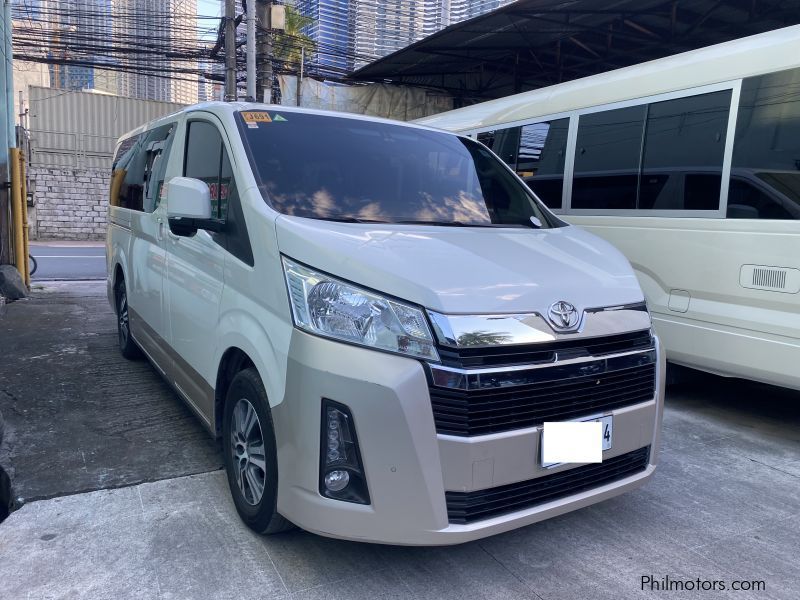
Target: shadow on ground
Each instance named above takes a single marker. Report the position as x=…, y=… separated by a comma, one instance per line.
x=79, y=417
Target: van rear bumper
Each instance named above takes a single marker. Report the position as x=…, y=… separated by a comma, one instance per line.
x=409, y=467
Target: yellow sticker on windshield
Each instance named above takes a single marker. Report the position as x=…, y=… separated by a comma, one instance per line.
x=254, y=116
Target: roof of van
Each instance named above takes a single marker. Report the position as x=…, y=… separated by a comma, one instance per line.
x=229, y=108
x=767, y=52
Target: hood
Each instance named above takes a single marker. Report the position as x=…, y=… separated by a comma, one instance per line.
x=466, y=270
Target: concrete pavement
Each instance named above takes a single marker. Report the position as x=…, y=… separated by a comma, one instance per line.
x=79, y=417
x=724, y=504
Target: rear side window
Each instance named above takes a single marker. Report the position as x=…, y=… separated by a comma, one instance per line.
x=607, y=159
x=685, y=137
x=138, y=169
x=540, y=163
x=661, y=156
x=536, y=152
x=765, y=170
x=504, y=143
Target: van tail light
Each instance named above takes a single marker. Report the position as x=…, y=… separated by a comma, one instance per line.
x=341, y=473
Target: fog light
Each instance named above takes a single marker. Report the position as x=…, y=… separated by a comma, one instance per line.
x=337, y=480
x=341, y=471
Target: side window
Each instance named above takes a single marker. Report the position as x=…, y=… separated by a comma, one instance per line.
x=755, y=200
x=120, y=180
x=607, y=158
x=207, y=159
x=684, y=137
x=765, y=170
x=540, y=162
x=504, y=143
x=133, y=167
x=661, y=156
x=204, y=158
x=157, y=152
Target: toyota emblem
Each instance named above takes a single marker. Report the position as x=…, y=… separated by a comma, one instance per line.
x=563, y=316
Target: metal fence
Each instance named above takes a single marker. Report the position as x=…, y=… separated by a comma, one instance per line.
x=71, y=150
x=75, y=129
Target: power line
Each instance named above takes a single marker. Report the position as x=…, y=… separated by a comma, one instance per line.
x=158, y=44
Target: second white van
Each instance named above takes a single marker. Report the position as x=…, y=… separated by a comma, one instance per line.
x=379, y=320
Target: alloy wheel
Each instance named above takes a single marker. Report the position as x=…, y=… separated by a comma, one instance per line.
x=247, y=449
x=122, y=317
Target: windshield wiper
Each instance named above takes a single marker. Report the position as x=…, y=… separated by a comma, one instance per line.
x=350, y=220
x=444, y=223
x=530, y=224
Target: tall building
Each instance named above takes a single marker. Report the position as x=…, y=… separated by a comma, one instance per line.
x=455, y=11
x=162, y=23
x=111, y=32
x=210, y=88
x=352, y=33
x=380, y=27
x=26, y=9
x=86, y=20
x=330, y=30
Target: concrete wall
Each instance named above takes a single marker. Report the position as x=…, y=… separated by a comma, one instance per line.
x=70, y=203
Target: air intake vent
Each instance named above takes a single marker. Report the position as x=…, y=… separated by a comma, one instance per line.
x=773, y=279
x=769, y=278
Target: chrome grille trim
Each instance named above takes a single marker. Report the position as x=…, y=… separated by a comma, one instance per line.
x=474, y=331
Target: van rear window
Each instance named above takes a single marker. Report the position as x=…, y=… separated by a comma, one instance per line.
x=326, y=167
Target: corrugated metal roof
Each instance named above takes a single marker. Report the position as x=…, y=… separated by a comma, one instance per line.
x=531, y=44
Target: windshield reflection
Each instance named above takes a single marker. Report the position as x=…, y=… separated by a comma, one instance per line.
x=338, y=168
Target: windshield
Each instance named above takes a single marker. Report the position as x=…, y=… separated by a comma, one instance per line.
x=353, y=170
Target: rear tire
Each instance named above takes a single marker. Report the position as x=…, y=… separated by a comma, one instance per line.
x=127, y=346
x=248, y=445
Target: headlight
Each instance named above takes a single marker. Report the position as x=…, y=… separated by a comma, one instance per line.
x=339, y=310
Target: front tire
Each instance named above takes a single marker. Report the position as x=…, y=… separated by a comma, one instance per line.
x=127, y=346
x=248, y=445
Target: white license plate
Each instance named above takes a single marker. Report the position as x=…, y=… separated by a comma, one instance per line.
x=607, y=429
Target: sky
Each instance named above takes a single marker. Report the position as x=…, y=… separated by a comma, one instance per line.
x=210, y=8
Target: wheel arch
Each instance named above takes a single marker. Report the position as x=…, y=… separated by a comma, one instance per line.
x=117, y=271
x=233, y=360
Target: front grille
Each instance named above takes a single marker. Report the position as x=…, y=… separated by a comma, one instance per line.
x=468, y=507
x=544, y=352
x=495, y=409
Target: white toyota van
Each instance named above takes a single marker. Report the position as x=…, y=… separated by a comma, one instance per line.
x=377, y=319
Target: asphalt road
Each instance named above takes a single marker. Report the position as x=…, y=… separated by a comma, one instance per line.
x=68, y=261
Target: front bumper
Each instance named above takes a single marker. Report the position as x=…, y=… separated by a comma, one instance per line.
x=408, y=466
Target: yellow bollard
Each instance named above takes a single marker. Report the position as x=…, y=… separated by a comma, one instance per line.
x=24, y=194
x=20, y=255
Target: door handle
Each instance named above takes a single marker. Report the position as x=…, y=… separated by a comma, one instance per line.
x=160, y=229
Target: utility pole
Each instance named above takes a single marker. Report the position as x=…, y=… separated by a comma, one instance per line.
x=251, y=51
x=230, y=50
x=264, y=15
x=6, y=141
x=299, y=94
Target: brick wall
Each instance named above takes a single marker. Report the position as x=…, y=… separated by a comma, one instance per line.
x=70, y=203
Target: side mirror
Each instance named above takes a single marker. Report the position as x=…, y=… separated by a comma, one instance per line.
x=189, y=207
